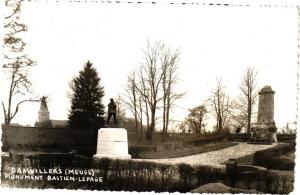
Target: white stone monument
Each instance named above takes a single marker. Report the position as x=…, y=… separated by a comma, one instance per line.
x=112, y=143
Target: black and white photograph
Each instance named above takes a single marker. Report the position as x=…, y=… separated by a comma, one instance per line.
x=150, y=96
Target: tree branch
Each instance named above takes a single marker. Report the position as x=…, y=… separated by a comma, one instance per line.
x=18, y=105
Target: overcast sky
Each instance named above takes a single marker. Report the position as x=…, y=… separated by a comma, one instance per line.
x=213, y=41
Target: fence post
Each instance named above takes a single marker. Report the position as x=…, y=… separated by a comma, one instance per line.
x=231, y=172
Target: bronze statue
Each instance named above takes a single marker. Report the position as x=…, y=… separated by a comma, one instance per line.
x=112, y=112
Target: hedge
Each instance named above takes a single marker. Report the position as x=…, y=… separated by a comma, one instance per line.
x=280, y=182
x=240, y=137
x=207, y=139
x=137, y=150
x=134, y=175
x=272, y=158
x=119, y=175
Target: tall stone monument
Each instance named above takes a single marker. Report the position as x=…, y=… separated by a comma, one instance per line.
x=265, y=129
x=112, y=143
x=43, y=115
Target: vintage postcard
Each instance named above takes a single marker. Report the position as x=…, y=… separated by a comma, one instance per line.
x=142, y=96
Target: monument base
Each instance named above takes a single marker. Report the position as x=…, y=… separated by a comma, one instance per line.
x=100, y=156
x=264, y=133
x=112, y=143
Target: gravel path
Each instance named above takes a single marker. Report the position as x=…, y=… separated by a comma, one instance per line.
x=215, y=158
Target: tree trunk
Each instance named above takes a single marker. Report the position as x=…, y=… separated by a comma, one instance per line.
x=152, y=124
x=141, y=128
x=167, y=114
x=8, y=117
x=164, y=121
x=135, y=109
x=147, y=118
x=249, y=119
x=141, y=119
x=149, y=135
x=220, y=124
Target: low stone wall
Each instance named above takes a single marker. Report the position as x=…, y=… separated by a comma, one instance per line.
x=26, y=139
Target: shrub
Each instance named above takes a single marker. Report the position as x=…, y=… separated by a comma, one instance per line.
x=290, y=138
x=137, y=150
x=241, y=137
x=272, y=158
x=184, y=172
x=282, y=163
x=207, y=174
x=207, y=139
x=280, y=182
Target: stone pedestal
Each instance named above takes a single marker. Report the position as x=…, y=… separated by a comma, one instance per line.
x=264, y=132
x=112, y=143
x=265, y=129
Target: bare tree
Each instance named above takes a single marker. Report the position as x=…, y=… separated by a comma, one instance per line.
x=249, y=94
x=220, y=104
x=121, y=115
x=136, y=99
x=140, y=115
x=146, y=95
x=152, y=85
x=154, y=76
x=16, y=62
x=169, y=62
x=237, y=118
x=158, y=77
x=143, y=108
x=130, y=98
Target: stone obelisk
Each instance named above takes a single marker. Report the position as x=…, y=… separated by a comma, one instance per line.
x=265, y=129
x=266, y=105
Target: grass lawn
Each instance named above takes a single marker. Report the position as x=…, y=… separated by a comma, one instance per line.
x=188, y=150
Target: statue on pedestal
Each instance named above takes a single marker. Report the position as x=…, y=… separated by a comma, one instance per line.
x=112, y=112
x=43, y=115
x=112, y=141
